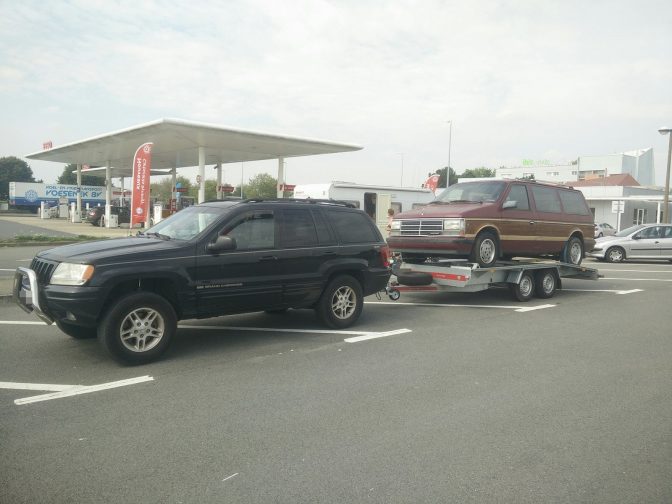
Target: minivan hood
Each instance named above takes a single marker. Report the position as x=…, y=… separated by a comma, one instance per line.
x=439, y=211
x=102, y=251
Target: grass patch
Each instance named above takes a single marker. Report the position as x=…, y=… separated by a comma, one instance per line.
x=39, y=239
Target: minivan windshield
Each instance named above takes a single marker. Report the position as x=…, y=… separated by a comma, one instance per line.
x=472, y=192
x=185, y=224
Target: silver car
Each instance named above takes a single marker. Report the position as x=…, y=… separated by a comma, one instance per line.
x=643, y=241
x=604, y=229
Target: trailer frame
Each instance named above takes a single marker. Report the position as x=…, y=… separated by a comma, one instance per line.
x=524, y=278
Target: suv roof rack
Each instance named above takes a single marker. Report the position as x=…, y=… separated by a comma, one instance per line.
x=307, y=201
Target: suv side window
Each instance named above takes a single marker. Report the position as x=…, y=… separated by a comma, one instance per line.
x=518, y=193
x=353, y=227
x=324, y=234
x=298, y=229
x=573, y=203
x=253, y=230
x=546, y=199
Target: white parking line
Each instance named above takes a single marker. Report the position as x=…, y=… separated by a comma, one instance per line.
x=635, y=270
x=369, y=336
x=614, y=291
x=67, y=390
x=519, y=309
x=638, y=279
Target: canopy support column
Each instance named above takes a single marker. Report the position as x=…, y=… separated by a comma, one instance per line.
x=79, y=189
x=173, y=192
x=108, y=193
x=201, y=174
x=219, y=181
x=281, y=177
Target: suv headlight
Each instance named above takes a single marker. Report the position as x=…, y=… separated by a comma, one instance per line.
x=71, y=274
x=453, y=227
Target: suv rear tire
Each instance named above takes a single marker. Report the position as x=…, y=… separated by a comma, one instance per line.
x=341, y=302
x=138, y=328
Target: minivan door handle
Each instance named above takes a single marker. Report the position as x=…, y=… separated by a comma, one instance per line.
x=532, y=222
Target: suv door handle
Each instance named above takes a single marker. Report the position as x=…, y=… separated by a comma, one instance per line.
x=329, y=253
x=532, y=222
x=269, y=258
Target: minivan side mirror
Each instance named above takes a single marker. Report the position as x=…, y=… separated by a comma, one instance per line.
x=510, y=204
x=221, y=244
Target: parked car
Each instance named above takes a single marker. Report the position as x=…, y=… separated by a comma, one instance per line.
x=604, y=229
x=96, y=215
x=490, y=220
x=212, y=259
x=643, y=241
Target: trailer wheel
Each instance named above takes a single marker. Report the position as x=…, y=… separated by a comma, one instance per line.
x=394, y=294
x=524, y=290
x=545, y=284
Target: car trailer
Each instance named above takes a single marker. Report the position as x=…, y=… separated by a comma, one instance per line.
x=523, y=278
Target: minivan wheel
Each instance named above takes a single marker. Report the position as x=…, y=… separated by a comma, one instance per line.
x=615, y=255
x=138, y=328
x=341, y=303
x=572, y=253
x=486, y=250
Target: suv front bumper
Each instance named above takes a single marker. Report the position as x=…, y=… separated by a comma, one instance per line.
x=26, y=293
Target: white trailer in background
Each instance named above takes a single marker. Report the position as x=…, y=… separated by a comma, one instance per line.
x=374, y=200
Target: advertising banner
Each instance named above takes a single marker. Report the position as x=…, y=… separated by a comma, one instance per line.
x=432, y=183
x=142, y=164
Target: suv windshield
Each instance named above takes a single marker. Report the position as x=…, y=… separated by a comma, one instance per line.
x=187, y=223
x=472, y=192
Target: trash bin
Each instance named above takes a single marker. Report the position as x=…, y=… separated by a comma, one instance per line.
x=114, y=221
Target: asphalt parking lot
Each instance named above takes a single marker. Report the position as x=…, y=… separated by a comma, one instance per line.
x=433, y=398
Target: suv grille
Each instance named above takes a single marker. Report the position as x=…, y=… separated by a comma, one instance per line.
x=420, y=227
x=43, y=269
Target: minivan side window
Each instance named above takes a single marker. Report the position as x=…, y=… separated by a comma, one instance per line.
x=546, y=199
x=573, y=203
x=353, y=227
x=518, y=193
x=298, y=229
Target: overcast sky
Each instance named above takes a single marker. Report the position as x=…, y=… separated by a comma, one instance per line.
x=539, y=80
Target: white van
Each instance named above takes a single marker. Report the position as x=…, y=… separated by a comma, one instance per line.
x=374, y=200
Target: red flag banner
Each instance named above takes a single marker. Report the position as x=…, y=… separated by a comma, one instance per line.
x=432, y=183
x=142, y=164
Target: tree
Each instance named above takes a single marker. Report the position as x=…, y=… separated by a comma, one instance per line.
x=210, y=190
x=481, y=172
x=261, y=186
x=441, y=172
x=162, y=190
x=69, y=176
x=13, y=169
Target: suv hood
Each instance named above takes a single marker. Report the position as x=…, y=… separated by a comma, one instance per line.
x=109, y=250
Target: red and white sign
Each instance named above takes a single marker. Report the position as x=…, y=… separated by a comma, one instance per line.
x=142, y=164
x=432, y=183
x=287, y=187
x=226, y=188
x=47, y=145
x=86, y=167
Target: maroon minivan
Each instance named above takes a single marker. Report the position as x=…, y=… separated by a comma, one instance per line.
x=490, y=220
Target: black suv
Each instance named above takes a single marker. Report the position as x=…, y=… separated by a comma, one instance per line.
x=216, y=258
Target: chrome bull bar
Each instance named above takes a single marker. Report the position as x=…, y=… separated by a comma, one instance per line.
x=28, y=299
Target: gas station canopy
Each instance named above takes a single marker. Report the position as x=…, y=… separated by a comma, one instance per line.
x=177, y=143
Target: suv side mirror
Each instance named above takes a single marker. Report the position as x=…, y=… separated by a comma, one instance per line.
x=510, y=204
x=221, y=244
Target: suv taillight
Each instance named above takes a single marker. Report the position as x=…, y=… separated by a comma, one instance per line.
x=385, y=255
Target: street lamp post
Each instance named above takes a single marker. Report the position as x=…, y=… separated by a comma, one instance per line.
x=666, y=195
x=450, y=138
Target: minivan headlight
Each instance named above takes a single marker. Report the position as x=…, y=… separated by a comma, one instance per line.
x=453, y=227
x=396, y=225
x=71, y=274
